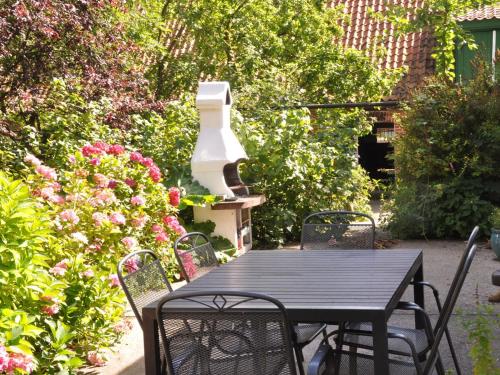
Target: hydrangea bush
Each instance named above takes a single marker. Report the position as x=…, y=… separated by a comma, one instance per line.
x=107, y=203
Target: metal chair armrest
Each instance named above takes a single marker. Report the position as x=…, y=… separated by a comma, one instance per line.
x=435, y=292
x=322, y=360
x=418, y=310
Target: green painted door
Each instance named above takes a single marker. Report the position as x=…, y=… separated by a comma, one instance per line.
x=464, y=68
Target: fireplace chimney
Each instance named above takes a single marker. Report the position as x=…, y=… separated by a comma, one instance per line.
x=214, y=165
x=217, y=146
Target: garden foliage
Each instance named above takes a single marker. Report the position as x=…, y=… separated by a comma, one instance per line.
x=301, y=169
x=448, y=159
x=73, y=73
x=59, y=252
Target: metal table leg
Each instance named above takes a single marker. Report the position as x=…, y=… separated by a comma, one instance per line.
x=380, y=346
x=152, y=357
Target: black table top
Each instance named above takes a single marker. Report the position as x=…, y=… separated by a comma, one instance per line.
x=319, y=285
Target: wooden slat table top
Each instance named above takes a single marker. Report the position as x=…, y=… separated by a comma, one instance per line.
x=319, y=285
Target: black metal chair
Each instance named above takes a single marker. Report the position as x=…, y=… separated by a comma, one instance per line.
x=470, y=242
x=227, y=333
x=195, y=255
x=352, y=362
x=143, y=280
x=338, y=229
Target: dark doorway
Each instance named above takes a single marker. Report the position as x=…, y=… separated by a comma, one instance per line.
x=374, y=150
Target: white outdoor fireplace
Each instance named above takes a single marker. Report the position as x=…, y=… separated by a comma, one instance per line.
x=214, y=165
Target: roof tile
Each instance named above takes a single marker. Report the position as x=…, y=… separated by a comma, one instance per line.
x=411, y=50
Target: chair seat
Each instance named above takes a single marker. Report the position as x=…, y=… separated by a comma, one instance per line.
x=396, y=346
x=360, y=364
x=307, y=331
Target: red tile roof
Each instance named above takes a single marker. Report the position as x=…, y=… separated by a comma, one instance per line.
x=483, y=13
x=362, y=31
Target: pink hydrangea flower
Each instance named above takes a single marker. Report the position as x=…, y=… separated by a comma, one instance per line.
x=174, y=196
x=156, y=228
x=4, y=359
x=47, y=172
x=60, y=268
x=69, y=216
x=138, y=200
x=51, y=309
x=117, y=218
x=130, y=182
x=99, y=218
x=33, y=160
x=162, y=237
x=95, y=247
x=46, y=192
x=57, y=271
x=114, y=281
x=96, y=359
x=116, y=150
x=73, y=197
x=95, y=161
x=189, y=266
x=20, y=362
x=131, y=264
x=180, y=230
x=148, y=162
x=155, y=174
x=136, y=156
x=56, y=199
x=90, y=150
x=129, y=242
x=104, y=147
x=102, y=198
x=63, y=263
x=88, y=273
x=80, y=237
x=56, y=186
x=170, y=220
x=101, y=180
x=139, y=221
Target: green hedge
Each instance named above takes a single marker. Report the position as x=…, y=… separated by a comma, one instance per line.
x=448, y=159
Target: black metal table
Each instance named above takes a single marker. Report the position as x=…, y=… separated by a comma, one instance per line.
x=315, y=286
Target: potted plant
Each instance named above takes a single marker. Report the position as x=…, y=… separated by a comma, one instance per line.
x=495, y=231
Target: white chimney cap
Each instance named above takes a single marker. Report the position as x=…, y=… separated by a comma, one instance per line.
x=213, y=95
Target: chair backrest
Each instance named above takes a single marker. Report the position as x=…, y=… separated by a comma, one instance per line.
x=470, y=242
x=143, y=279
x=195, y=255
x=338, y=229
x=225, y=333
x=449, y=304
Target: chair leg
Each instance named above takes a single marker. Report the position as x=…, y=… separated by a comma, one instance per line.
x=300, y=359
x=338, y=349
x=439, y=366
x=353, y=364
x=452, y=350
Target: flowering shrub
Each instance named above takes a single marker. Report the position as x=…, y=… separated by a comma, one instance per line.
x=107, y=203
x=27, y=340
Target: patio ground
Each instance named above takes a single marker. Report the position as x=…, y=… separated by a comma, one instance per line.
x=440, y=261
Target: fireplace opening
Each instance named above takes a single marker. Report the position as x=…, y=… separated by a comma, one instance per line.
x=233, y=179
